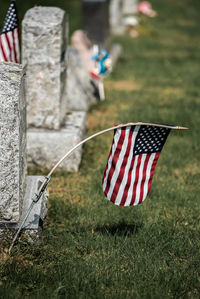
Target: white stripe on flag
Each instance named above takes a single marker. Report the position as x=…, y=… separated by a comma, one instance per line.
x=1, y=56
x=125, y=177
x=5, y=46
x=116, y=139
x=130, y=191
x=119, y=163
x=10, y=38
x=148, y=173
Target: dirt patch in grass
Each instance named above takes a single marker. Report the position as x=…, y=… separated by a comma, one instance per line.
x=122, y=85
x=188, y=170
x=173, y=91
x=188, y=176
x=166, y=93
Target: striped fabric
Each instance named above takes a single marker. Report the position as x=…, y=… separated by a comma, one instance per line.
x=131, y=163
x=9, y=38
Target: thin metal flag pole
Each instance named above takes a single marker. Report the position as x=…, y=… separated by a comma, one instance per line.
x=47, y=178
x=107, y=130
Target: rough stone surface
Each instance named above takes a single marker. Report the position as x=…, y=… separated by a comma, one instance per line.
x=39, y=210
x=46, y=148
x=44, y=39
x=32, y=228
x=12, y=141
x=80, y=90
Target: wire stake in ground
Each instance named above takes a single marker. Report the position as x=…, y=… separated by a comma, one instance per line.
x=35, y=199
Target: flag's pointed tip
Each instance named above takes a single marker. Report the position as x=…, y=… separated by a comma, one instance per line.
x=182, y=128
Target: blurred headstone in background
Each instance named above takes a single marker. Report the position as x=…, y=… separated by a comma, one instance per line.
x=95, y=17
x=80, y=87
x=130, y=7
x=116, y=17
x=130, y=18
x=123, y=17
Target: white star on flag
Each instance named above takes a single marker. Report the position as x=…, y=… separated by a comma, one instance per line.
x=9, y=38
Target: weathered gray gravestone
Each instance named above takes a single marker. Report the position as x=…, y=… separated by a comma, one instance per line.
x=96, y=20
x=44, y=45
x=12, y=142
x=51, y=130
x=130, y=7
x=120, y=12
x=116, y=17
x=16, y=189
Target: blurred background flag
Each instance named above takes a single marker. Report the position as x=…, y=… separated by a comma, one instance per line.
x=9, y=38
x=131, y=163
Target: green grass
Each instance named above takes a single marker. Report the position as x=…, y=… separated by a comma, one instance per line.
x=93, y=249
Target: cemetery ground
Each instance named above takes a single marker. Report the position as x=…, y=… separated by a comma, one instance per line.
x=93, y=249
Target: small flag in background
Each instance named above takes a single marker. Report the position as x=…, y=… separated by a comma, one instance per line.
x=9, y=38
x=131, y=163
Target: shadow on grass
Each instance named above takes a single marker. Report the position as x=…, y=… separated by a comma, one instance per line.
x=119, y=229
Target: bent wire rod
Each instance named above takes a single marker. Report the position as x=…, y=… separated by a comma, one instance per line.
x=47, y=178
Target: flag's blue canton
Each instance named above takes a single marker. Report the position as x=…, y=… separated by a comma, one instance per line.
x=11, y=21
x=150, y=140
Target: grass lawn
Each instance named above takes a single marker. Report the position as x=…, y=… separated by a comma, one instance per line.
x=93, y=249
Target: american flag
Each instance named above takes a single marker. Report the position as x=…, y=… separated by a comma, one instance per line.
x=9, y=38
x=131, y=163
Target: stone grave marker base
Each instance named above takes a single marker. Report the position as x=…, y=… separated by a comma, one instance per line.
x=47, y=147
x=32, y=230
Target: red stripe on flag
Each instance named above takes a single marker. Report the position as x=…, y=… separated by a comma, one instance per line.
x=123, y=166
x=152, y=171
x=8, y=44
x=8, y=36
x=136, y=180
x=114, y=160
